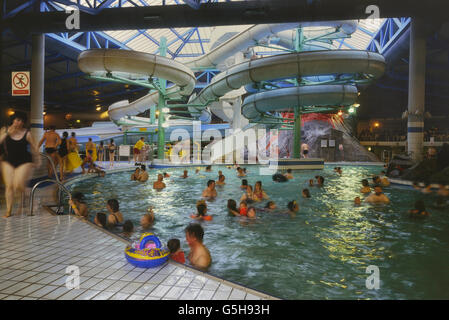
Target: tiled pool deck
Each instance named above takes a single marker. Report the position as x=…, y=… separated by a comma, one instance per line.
x=36, y=251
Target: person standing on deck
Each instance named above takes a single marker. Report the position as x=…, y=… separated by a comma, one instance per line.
x=304, y=150
x=138, y=149
x=17, y=162
x=52, y=141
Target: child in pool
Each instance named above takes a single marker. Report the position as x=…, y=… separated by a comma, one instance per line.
x=270, y=206
x=305, y=193
x=232, y=208
x=251, y=213
x=366, y=188
x=176, y=254
x=419, y=211
x=293, y=208
x=201, y=208
x=243, y=209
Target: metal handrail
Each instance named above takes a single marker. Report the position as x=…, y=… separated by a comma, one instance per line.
x=40, y=182
x=52, y=165
x=56, y=180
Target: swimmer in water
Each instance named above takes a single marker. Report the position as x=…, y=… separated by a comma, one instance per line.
x=365, y=187
x=166, y=175
x=320, y=181
x=100, y=219
x=259, y=193
x=243, y=208
x=210, y=191
x=419, y=211
x=208, y=169
x=159, y=184
x=78, y=206
x=143, y=174
x=240, y=172
x=115, y=216
x=176, y=253
x=244, y=184
x=197, y=171
x=221, y=180
x=270, y=206
x=199, y=255
x=248, y=196
x=384, y=182
x=251, y=214
x=201, y=208
x=135, y=174
x=357, y=201
x=184, y=176
x=311, y=183
x=305, y=193
x=293, y=208
x=232, y=208
x=289, y=175
x=377, y=197
x=147, y=220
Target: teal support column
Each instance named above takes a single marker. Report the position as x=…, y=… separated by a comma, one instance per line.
x=125, y=136
x=161, y=106
x=153, y=114
x=299, y=40
x=297, y=134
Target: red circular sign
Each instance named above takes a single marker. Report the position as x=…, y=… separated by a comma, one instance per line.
x=20, y=80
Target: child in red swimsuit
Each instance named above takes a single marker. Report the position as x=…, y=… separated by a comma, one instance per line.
x=243, y=210
x=201, y=207
x=176, y=254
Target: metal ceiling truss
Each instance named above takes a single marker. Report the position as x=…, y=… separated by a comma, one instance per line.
x=388, y=32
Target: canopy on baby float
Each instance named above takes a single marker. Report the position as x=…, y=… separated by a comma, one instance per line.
x=147, y=257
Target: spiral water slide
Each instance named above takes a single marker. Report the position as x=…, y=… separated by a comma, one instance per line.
x=293, y=65
x=133, y=65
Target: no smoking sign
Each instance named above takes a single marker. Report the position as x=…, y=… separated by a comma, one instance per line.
x=20, y=83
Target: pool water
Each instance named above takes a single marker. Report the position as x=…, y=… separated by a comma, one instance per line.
x=322, y=253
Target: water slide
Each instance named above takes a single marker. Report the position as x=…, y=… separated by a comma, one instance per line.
x=230, y=83
x=133, y=65
x=293, y=65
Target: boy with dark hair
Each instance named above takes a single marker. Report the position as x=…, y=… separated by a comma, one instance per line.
x=176, y=254
x=199, y=255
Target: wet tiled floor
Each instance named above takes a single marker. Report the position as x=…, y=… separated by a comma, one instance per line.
x=35, y=253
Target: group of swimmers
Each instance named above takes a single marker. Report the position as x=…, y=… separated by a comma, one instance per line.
x=114, y=218
x=442, y=201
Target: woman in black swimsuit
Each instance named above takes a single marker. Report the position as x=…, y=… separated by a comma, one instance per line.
x=17, y=162
x=63, y=150
x=111, y=148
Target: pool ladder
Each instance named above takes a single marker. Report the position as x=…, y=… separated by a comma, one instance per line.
x=61, y=187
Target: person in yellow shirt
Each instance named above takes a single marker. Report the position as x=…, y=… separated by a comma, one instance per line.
x=137, y=148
